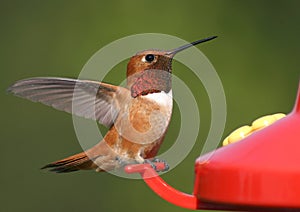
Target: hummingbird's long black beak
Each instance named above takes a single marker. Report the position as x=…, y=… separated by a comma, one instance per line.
x=181, y=48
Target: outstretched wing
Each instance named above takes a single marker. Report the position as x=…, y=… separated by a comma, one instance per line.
x=85, y=98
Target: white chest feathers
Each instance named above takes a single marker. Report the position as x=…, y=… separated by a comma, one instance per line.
x=162, y=99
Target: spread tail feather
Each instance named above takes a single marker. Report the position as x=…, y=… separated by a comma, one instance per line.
x=72, y=163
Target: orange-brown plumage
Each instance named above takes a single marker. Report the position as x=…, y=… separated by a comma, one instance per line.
x=137, y=116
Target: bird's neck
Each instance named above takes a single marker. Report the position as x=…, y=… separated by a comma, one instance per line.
x=150, y=81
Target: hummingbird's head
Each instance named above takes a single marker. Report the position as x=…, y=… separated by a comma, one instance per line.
x=150, y=71
x=149, y=59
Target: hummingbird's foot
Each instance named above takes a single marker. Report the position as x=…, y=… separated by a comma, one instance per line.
x=147, y=161
x=156, y=160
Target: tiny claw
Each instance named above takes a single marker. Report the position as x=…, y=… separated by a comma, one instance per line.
x=156, y=160
x=147, y=161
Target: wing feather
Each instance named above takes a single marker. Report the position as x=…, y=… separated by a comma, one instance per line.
x=84, y=98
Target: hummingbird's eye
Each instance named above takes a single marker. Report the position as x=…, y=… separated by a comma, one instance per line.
x=149, y=58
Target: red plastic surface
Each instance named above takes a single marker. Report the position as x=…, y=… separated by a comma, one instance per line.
x=160, y=187
x=259, y=173
x=262, y=170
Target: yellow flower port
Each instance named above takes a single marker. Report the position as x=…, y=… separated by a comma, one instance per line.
x=256, y=125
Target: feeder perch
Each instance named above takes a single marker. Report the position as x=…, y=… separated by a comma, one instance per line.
x=259, y=173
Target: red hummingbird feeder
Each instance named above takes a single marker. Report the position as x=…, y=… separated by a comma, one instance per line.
x=261, y=172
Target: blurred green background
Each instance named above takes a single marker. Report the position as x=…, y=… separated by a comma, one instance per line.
x=256, y=57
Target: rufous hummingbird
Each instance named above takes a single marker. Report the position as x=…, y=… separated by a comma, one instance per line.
x=137, y=116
